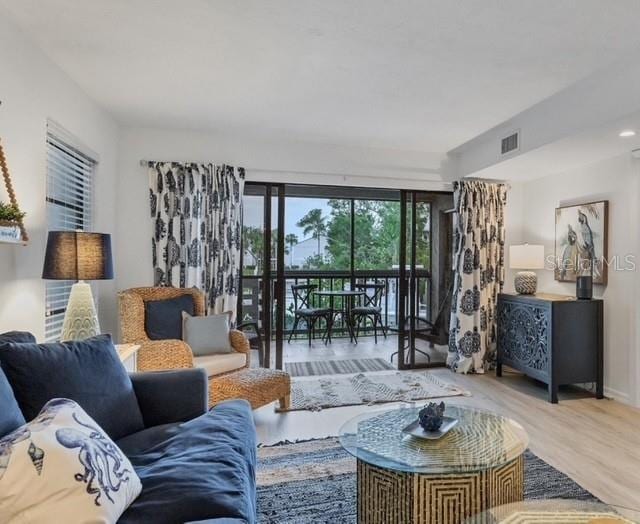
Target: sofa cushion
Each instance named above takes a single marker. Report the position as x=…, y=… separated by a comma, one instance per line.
x=147, y=438
x=163, y=318
x=17, y=336
x=204, y=469
x=61, y=467
x=207, y=335
x=10, y=415
x=88, y=372
x=222, y=363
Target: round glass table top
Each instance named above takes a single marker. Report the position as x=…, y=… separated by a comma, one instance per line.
x=557, y=511
x=481, y=440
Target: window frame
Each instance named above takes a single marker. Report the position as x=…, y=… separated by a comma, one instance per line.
x=69, y=204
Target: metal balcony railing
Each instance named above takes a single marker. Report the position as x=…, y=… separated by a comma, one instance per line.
x=251, y=302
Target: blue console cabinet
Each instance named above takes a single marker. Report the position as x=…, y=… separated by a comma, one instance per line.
x=556, y=339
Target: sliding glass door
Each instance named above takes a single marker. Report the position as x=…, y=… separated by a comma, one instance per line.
x=425, y=278
x=337, y=239
x=262, y=285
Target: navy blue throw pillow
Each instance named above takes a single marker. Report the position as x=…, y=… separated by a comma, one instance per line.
x=87, y=371
x=10, y=415
x=163, y=318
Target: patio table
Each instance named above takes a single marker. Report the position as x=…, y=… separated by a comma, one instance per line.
x=347, y=297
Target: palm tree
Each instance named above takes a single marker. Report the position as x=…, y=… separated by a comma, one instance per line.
x=313, y=222
x=291, y=240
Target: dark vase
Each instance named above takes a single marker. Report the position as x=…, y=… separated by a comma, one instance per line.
x=584, y=287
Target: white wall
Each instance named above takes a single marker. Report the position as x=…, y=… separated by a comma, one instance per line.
x=614, y=179
x=264, y=160
x=33, y=89
x=513, y=229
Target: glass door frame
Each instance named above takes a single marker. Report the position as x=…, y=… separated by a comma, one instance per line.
x=272, y=290
x=408, y=280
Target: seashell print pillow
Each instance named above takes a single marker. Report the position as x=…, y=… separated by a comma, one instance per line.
x=62, y=467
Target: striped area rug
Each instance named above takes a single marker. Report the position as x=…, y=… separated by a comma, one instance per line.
x=316, y=393
x=314, y=482
x=336, y=367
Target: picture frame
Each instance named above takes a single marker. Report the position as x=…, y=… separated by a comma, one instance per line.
x=581, y=236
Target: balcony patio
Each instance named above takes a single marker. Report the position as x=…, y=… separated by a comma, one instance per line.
x=341, y=347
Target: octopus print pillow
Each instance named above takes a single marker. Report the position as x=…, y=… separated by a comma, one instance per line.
x=62, y=467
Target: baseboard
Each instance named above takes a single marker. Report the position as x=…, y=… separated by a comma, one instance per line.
x=617, y=395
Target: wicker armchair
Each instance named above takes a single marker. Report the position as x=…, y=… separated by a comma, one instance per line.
x=156, y=355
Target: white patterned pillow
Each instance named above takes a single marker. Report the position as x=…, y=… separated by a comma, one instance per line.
x=61, y=467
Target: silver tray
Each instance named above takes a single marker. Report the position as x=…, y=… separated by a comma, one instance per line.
x=415, y=429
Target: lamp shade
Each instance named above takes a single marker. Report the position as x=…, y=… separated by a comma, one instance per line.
x=526, y=256
x=76, y=255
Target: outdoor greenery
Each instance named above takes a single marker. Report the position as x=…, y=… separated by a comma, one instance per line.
x=315, y=224
x=377, y=237
x=10, y=213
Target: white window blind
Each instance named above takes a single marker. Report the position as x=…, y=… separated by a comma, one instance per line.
x=69, y=199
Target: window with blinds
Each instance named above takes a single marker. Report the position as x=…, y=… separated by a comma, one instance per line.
x=69, y=201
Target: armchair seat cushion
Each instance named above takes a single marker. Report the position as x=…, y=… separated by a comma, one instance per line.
x=197, y=470
x=221, y=363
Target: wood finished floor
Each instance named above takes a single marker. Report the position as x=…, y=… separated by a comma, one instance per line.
x=595, y=442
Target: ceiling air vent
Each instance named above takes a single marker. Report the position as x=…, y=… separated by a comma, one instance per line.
x=510, y=143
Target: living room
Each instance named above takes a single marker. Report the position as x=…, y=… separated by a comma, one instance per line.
x=447, y=193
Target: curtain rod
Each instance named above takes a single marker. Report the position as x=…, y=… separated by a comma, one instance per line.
x=145, y=163
x=489, y=180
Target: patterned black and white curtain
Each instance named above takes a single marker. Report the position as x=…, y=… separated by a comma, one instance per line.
x=478, y=265
x=197, y=215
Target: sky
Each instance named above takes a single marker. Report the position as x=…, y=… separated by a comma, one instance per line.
x=295, y=209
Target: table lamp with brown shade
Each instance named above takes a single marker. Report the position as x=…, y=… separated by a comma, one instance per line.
x=79, y=256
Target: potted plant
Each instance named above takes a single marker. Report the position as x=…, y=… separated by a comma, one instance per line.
x=10, y=222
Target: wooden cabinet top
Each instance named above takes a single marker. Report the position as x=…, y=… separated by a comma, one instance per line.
x=546, y=297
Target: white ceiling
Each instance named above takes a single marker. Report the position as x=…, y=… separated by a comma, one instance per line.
x=422, y=75
x=572, y=152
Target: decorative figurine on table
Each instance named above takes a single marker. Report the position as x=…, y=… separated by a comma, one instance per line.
x=430, y=416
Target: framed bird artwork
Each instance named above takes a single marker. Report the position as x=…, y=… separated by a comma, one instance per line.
x=581, y=242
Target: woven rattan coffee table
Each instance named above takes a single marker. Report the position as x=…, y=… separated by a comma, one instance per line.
x=402, y=479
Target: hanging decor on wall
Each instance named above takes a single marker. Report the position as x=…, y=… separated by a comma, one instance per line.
x=11, y=217
x=581, y=242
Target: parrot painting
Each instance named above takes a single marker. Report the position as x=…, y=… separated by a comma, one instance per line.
x=570, y=253
x=587, y=248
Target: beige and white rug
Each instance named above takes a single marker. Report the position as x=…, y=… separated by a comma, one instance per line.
x=316, y=393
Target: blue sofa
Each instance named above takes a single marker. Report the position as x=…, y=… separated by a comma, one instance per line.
x=195, y=464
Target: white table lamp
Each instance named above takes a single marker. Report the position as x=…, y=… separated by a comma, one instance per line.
x=527, y=257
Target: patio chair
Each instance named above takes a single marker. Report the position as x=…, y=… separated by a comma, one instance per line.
x=303, y=310
x=436, y=332
x=251, y=330
x=371, y=308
